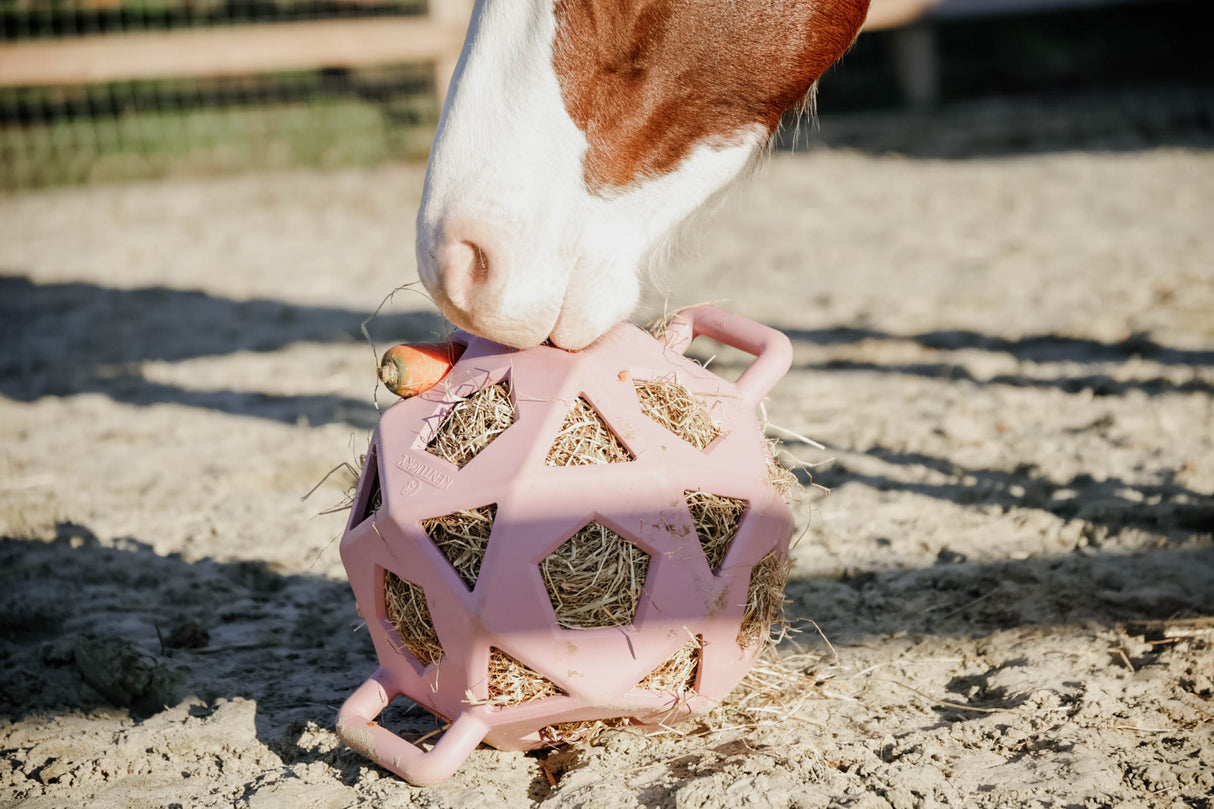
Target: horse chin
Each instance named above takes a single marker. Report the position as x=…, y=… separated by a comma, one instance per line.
x=590, y=310
x=574, y=334
x=575, y=328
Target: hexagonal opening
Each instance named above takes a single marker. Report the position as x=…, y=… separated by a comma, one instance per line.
x=678, y=410
x=594, y=579
x=405, y=605
x=764, y=601
x=585, y=438
x=473, y=423
x=513, y=683
x=716, y=519
x=462, y=538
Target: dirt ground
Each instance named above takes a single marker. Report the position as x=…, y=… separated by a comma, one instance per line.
x=1009, y=357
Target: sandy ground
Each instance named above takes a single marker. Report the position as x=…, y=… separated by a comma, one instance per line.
x=1010, y=360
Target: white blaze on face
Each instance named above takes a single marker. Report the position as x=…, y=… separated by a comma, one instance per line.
x=511, y=243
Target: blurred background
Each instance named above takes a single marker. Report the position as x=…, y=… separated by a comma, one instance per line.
x=104, y=90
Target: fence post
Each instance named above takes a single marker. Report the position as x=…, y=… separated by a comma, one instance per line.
x=918, y=64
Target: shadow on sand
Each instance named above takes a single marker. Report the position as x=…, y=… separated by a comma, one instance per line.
x=291, y=641
x=40, y=353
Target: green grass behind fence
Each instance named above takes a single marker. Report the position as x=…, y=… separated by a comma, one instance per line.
x=56, y=137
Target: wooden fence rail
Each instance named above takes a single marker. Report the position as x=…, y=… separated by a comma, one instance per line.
x=242, y=49
x=436, y=38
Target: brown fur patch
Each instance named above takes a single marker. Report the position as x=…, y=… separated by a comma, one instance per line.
x=647, y=80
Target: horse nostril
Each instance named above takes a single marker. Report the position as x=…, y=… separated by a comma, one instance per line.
x=474, y=275
x=480, y=264
x=464, y=270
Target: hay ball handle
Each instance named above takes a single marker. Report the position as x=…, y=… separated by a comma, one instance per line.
x=356, y=727
x=771, y=349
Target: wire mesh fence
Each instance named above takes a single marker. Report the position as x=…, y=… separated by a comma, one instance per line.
x=74, y=129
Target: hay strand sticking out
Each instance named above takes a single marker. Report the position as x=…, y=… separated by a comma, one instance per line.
x=782, y=479
x=594, y=578
x=473, y=424
x=512, y=682
x=585, y=439
x=462, y=538
x=407, y=610
x=678, y=410
x=716, y=519
x=772, y=691
x=659, y=326
x=764, y=600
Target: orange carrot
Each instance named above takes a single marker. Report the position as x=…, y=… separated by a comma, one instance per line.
x=408, y=370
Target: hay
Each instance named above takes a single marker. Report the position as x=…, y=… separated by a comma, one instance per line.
x=772, y=691
x=678, y=672
x=407, y=610
x=473, y=424
x=764, y=601
x=594, y=578
x=678, y=410
x=513, y=683
x=716, y=520
x=782, y=479
x=584, y=731
x=659, y=326
x=462, y=538
x=585, y=439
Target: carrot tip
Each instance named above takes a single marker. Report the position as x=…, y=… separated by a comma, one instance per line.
x=389, y=373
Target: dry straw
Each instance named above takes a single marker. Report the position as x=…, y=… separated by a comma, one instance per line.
x=463, y=537
x=585, y=439
x=764, y=600
x=677, y=673
x=716, y=521
x=512, y=682
x=586, y=730
x=675, y=408
x=774, y=689
x=595, y=579
x=783, y=479
x=407, y=610
x=473, y=424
